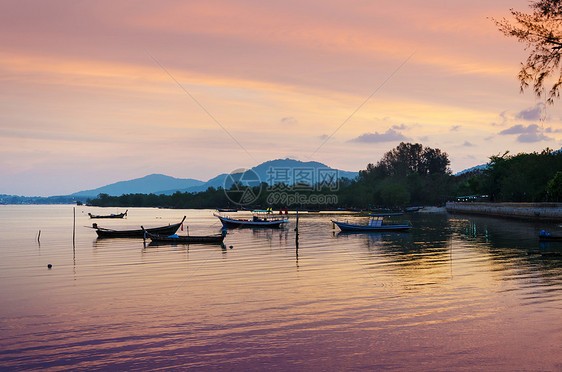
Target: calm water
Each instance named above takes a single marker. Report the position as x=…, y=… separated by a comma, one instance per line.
x=455, y=293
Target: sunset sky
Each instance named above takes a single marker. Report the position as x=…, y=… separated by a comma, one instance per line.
x=95, y=92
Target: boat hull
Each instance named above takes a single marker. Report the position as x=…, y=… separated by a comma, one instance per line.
x=232, y=223
x=366, y=228
x=120, y=215
x=550, y=238
x=208, y=239
x=162, y=230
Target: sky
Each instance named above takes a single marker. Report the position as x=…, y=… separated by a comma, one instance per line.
x=95, y=92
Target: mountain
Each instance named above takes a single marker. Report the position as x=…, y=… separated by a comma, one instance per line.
x=287, y=171
x=15, y=199
x=480, y=167
x=153, y=183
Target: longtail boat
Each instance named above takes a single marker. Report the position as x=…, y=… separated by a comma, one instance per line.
x=136, y=233
x=260, y=219
x=187, y=239
x=120, y=215
x=374, y=224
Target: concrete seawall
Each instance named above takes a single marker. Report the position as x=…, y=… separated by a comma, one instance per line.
x=533, y=211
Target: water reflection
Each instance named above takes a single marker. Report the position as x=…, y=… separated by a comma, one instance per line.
x=514, y=253
x=453, y=292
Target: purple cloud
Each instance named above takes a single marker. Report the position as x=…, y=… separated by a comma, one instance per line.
x=531, y=114
x=388, y=136
x=289, y=120
x=527, y=134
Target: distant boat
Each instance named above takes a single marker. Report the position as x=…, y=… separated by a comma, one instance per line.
x=186, y=239
x=385, y=214
x=120, y=215
x=136, y=233
x=412, y=209
x=227, y=210
x=374, y=224
x=547, y=237
x=259, y=219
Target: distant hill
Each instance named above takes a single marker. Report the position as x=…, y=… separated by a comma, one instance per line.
x=15, y=199
x=475, y=168
x=287, y=170
x=153, y=183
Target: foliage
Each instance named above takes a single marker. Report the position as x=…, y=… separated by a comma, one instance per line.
x=554, y=187
x=541, y=32
x=410, y=174
x=515, y=178
x=408, y=158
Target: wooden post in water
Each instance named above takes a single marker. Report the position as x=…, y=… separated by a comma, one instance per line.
x=297, y=238
x=74, y=226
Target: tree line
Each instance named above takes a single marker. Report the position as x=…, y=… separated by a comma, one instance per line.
x=408, y=175
x=534, y=177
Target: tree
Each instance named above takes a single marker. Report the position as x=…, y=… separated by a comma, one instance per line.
x=409, y=158
x=554, y=187
x=541, y=31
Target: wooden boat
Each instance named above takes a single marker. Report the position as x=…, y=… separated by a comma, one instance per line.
x=374, y=224
x=256, y=221
x=120, y=215
x=187, y=239
x=137, y=233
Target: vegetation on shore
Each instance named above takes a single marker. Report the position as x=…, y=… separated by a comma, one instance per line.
x=534, y=177
x=409, y=174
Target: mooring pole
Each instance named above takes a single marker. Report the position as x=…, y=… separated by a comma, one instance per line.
x=74, y=226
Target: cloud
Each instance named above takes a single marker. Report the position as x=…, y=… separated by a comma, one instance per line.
x=455, y=128
x=289, y=120
x=503, y=115
x=518, y=129
x=531, y=114
x=527, y=134
x=532, y=137
x=400, y=127
x=467, y=144
x=388, y=136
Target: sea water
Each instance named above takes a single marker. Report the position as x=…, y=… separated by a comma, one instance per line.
x=454, y=293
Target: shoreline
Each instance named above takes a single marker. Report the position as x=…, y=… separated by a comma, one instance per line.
x=529, y=211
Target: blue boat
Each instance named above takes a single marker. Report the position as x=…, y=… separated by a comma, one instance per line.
x=375, y=224
x=187, y=239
